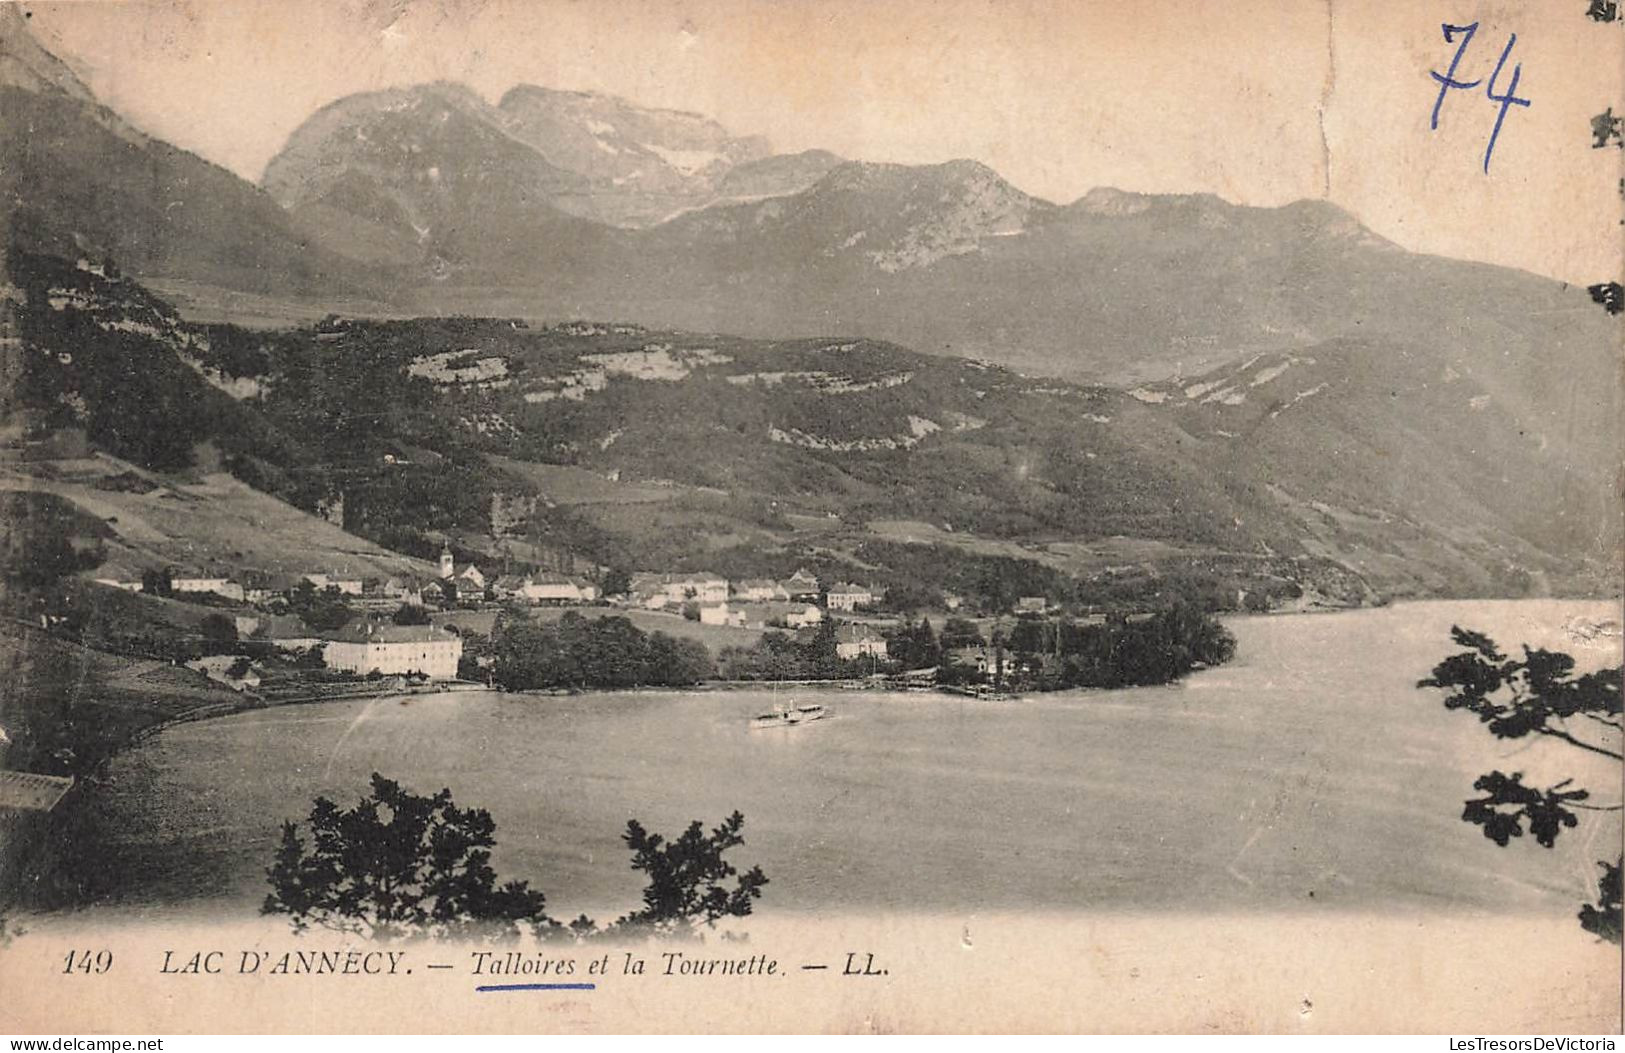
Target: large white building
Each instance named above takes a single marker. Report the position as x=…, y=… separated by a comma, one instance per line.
x=219, y=584
x=556, y=588
x=858, y=641
x=673, y=590
x=846, y=597
x=760, y=590
x=394, y=649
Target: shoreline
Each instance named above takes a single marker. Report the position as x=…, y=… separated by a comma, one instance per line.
x=258, y=702
x=1557, y=618
x=373, y=689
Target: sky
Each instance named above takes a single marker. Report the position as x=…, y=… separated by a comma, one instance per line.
x=1259, y=102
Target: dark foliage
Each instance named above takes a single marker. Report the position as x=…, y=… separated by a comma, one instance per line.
x=915, y=645
x=44, y=539
x=1538, y=694
x=321, y=609
x=779, y=656
x=1508, y=804
x=688, y=877
x=617, y=582
x=402, y=865
x=1049, y=654
x=218, y=630
x=398, y=864
x=609, y=652
x=1604, y=918
x=990, y=583
x=410, y=614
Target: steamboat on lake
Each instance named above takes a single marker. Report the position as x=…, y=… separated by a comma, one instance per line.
x=789, y=716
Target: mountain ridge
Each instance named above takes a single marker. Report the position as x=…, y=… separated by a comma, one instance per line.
x=1412, y=473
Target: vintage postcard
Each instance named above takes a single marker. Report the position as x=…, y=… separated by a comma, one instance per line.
x=834, y=516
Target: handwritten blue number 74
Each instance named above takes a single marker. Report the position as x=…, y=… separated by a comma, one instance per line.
x=1448, y=82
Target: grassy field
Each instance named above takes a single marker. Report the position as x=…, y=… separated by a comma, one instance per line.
x=1072, y=557
x=567, y=485
x=715, y=637
x=212, y=520
x=57, y=695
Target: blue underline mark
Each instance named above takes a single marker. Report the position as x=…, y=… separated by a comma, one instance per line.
x=537, y=987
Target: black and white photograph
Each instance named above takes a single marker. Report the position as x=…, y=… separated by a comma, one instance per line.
x=829, y=516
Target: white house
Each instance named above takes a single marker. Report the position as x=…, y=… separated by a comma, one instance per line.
x=858, y=641
x=202, y=581
x=790, y=615
x=507, y=586
x=262, y=587
x=760, y=590
x=348, y=584
x=403, y=588
x=706, y=588
x=981, y=659
x=848, y=597
x=217, y=667
x=368, y=647
x=555, y=588
x=800, y=586
x=673, y=590
x=803, y=615
x=286, y=632
x=720, y=614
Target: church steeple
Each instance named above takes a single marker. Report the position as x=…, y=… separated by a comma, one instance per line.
x=447, y=567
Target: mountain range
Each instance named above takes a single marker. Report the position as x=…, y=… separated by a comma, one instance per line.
x=1245, y=380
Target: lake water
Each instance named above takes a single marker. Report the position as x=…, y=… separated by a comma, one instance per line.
x=1309, y=773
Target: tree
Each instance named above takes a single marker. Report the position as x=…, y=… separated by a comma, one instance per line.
x=915, y=645
x=314, y=657
x=156, y=582
x=323, y=609
x=822, y=651
x=218, y=630
x=1537, y=695
x=240, y=668
x=410, y=614
x=37, y=555
x=1604, y=918
x=908, y=596
x=688, y=877
x=398, y=864
x=961, y=632
x=617, y=582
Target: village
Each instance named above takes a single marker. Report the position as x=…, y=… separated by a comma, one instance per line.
x=402, y=625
